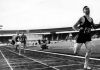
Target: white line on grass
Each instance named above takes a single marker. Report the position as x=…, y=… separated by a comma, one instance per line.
x=64, y=54
x=35, y=60
x=6, y=60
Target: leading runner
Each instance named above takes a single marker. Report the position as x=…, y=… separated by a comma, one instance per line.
x=84, y=26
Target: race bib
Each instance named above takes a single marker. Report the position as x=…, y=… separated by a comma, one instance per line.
x=87, y=30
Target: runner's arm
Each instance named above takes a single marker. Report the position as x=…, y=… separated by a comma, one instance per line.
x=79, y=22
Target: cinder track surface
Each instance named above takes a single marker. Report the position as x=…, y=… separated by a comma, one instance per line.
x=40, y=60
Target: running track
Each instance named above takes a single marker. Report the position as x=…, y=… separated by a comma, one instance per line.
x=40, y=60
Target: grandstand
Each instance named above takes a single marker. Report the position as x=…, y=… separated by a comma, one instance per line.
x=51, y=34
x=58, y=56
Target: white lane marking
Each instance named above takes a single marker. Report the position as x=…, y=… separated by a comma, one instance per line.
x=50, y=56
x=64, y=54
x=47, y=60
x=35, y=60
x=67, y=65
x=6, y=60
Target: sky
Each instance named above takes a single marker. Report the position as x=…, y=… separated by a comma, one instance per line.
x=43, y=14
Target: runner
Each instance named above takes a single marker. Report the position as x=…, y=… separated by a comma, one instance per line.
x=18, y=43
x=70, y=37
x=84, y=26
x=23, y=41
x=44, y=43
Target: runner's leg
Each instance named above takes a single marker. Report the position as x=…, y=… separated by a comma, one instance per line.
x=77, y=47
x=24, y=46
x=19, y=46
x=88, y=46
x=16, y=47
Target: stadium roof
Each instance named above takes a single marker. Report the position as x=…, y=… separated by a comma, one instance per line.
x=42, y=31
x=52, y=30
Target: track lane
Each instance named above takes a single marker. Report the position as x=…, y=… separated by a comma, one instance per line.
x=61, y=63
x=51, y=61
x=3, y=63
x=6, y=60
x=22, y=63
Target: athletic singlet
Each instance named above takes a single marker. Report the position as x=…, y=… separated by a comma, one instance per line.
x=86, y=26
x=17, y=39
x=85, y=31
x=23, y=38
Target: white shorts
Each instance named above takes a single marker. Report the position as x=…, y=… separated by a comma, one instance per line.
x=18, y=43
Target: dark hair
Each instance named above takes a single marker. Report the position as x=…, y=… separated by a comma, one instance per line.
x=85, y=7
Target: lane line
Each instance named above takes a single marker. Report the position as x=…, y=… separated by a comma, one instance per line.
x=56, y=58
x=47, y=60
x=67, y=65
x=59, y=54
x=51, y=56
x=35, y=60
x=64, y=54
x=6, y=60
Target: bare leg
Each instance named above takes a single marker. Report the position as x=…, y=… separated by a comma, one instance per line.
x=19, y=49
x=88, y=46
x=19, y=45
x=16, y=48
x=77, y=47
x=24, y=47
